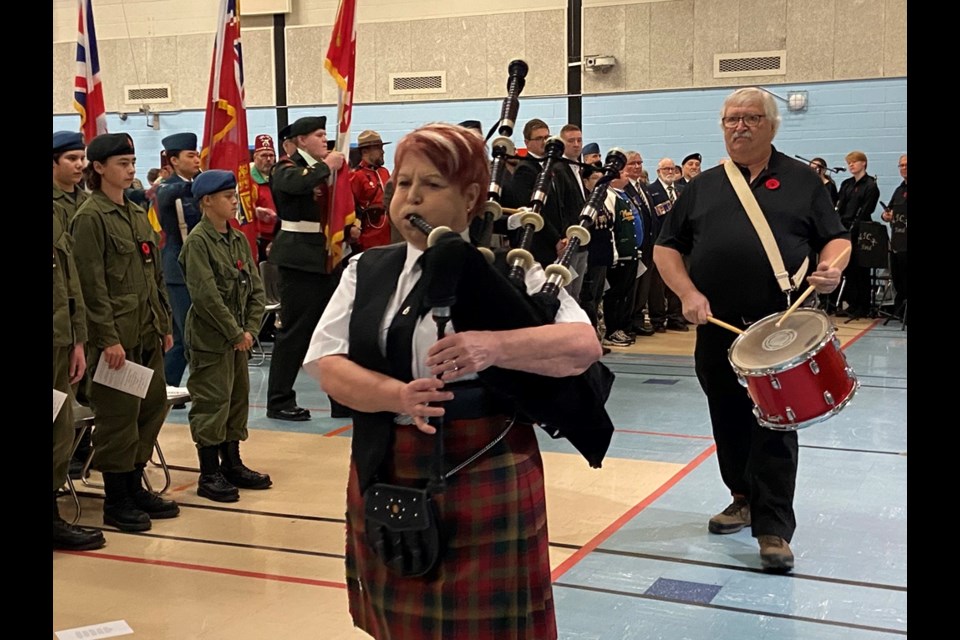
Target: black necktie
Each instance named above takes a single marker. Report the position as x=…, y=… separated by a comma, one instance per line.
x=402, y=328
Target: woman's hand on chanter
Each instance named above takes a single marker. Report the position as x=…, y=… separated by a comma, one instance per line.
x=415, y=397
x=457, y=355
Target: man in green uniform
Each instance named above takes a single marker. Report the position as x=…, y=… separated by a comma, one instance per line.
x=69, y=364
x=68, y=160
x=128, y=318
x=228, y=301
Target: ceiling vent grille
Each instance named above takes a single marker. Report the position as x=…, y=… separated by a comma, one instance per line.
x=147, y=94
x=757, y=63
x=413, y=83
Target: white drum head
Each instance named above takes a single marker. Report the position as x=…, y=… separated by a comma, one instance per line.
x=766, y=346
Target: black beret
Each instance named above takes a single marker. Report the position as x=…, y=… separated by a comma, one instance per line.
x=285, y=133
x=593, y=147
x=692, y=156
x=212, y=181
x=180, y=142
x=67, y=141
x=472, y=124
x=109, y=144
x=308, y=125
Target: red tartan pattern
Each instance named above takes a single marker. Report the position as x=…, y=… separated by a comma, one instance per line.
x=494, y=580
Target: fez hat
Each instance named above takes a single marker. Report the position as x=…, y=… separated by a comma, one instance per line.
x=67, y=141
x=109, y=144
x=212, y=181
x=263, y=142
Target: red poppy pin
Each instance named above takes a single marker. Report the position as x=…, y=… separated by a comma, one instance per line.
x=772, y=184
x=145, y=248
x=240, y=265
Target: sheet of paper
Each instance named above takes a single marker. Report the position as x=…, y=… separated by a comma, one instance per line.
x=131, y=378
x=102, y=630
x=58, y=398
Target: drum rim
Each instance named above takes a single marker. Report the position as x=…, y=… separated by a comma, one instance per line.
x=792, y=362
x=776, y=426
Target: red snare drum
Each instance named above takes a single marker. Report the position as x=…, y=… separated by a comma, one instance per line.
x=796, y=373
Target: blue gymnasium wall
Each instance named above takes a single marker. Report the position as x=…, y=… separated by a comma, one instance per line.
x=869, y=115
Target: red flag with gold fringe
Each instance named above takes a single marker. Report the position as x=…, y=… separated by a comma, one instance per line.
x=341, y=62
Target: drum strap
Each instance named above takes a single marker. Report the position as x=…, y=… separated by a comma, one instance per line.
x=752, y=207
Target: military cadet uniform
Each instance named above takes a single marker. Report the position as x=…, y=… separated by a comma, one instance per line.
x=117, y=258
x=69, y=329
x=69, y=201
x=299, y=250
x=173, y=191
x=228, y=300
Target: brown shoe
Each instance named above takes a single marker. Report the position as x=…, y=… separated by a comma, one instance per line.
x=732, y=519
x=775, y=554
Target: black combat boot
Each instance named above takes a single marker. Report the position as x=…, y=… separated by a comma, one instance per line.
x=119, y=509
x=155, y=506
x=71, y=537
x=233, y=469
x=212, y=484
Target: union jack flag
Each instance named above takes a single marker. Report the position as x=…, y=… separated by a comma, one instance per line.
x=87, y=90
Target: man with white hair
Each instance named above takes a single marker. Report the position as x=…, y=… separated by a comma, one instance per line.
x=730, y=279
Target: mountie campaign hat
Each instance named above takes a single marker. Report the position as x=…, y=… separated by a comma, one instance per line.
x=369, y=138
x=308, y=125
x=180, y=142
x=109, y=144
x=263, y=142
x=692, y=156
x=212, y=181
x=593, y=147
x=67, y=141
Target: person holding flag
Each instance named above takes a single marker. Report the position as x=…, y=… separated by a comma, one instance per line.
x=300, y=186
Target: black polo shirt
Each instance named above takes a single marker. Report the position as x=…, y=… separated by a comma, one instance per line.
x=898, y=226
x=727, y=261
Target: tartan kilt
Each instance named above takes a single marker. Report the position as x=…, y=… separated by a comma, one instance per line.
x=494, y=577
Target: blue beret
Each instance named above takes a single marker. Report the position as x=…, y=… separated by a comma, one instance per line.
x=212, y=181
x=593, y=147
x=692, y=156
x=180, y=142
x=308, y=125
x=109, y=144
x=67, y=141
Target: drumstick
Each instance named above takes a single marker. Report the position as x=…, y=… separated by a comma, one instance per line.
x=721, y=323
x=843, y=254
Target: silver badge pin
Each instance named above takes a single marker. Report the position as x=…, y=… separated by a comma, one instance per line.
x=405, y=311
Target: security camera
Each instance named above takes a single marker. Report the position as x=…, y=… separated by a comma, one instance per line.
x=602, y=64
x=123, y=117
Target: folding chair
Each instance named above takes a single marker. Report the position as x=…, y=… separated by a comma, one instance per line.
x=270, y=276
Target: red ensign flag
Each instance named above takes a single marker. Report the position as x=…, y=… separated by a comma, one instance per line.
x=340, y=62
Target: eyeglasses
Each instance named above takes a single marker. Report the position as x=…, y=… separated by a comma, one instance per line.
x=667, y=169
x=902, y=166
x=751, y=120
x=539, y=139
x=635, y=162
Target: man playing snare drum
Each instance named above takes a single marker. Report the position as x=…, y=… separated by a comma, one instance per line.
x=731, y=279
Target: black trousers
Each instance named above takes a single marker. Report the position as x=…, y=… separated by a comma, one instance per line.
x=642, y=294
x=755, y=462
x=591, y=293
x=303, y=297
x=664, y=305
x=898, y=272
x=618, y=300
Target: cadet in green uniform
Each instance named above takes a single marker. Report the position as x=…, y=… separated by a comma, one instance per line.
x=69, y=364
x=68, y=161
x=228, y=301
x=128, y=318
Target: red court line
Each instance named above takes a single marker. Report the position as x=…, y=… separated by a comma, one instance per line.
x=208, y=569
x=337, y=432
x=601, y=537
x=665, y=435
x=861, y=334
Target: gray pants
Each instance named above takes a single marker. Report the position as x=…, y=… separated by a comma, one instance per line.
x=579, y=265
